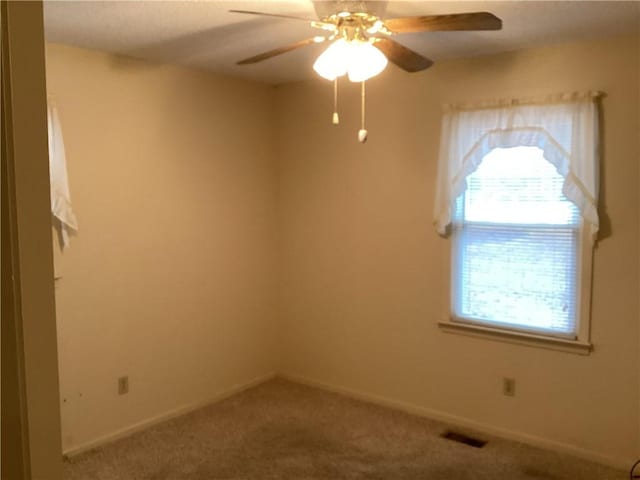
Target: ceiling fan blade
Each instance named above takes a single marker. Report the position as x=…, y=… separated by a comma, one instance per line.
x=273, y=15
x=278, y=51
x=403, y=57
x=439, y=23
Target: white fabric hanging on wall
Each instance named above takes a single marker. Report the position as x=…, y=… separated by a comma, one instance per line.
x=60, y=196
x=564, y=126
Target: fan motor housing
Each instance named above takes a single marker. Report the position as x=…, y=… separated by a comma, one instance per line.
x=356, y=25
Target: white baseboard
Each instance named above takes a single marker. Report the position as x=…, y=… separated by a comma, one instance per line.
x=461, y=422
x=144, y=424
x=623, y=464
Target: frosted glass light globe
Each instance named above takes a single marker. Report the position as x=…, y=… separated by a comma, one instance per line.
x=366, y=61
x=334, y=61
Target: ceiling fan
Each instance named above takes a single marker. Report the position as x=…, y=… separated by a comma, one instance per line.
x=361, y=43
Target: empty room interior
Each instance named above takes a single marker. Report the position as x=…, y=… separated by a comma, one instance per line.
x=345, y=239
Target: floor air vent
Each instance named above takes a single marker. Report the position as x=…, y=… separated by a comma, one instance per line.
x=461, y=438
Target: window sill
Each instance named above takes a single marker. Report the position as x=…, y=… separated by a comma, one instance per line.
x=519, y=338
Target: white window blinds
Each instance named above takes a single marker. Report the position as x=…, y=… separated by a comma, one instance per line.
x=516, y=245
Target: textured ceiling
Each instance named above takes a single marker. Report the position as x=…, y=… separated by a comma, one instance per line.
x=204, y=34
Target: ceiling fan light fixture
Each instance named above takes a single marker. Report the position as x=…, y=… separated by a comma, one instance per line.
x=330, y=27
x=359, y=59
x=378, y=26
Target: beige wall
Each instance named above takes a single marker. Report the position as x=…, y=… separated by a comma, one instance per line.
x=171, y=278
x=185, y=230
x=364, y=273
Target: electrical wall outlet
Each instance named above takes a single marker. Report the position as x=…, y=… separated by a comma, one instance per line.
x=509, y=387
x=123, y=385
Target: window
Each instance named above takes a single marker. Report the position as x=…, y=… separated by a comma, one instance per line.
x=516, y=246
x=517, y=193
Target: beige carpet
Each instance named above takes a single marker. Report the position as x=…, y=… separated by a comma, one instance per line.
x=281, y=430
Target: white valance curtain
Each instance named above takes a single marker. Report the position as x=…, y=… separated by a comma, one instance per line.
x=60, y=196
x=564, y=126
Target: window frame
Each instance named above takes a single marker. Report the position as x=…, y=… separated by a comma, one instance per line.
x=580, y=344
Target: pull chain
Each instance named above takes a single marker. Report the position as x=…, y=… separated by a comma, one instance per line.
x=362, y=133
x=336, y=118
